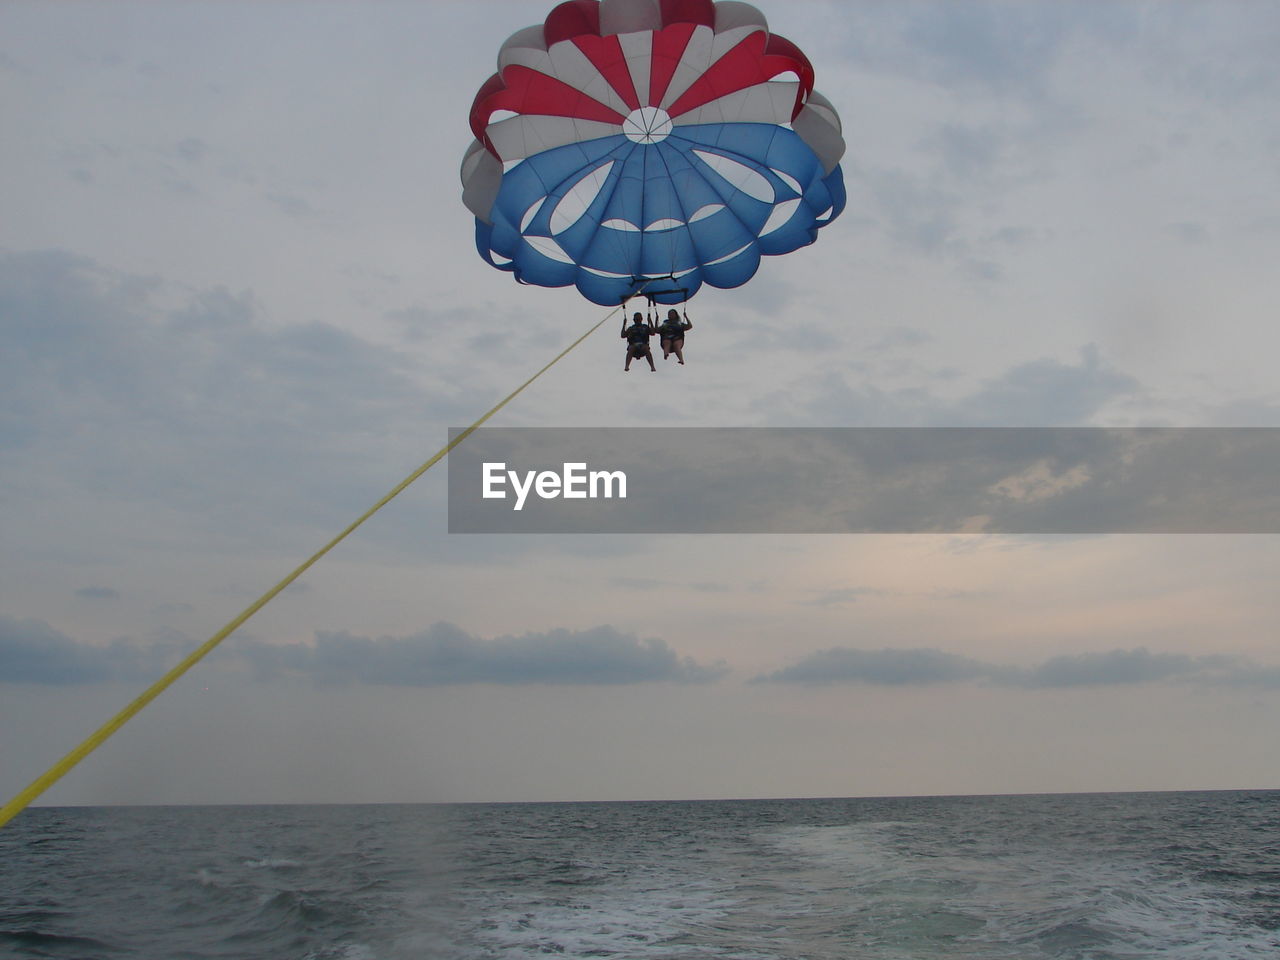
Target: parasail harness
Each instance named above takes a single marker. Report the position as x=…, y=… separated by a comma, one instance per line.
x=641, y=285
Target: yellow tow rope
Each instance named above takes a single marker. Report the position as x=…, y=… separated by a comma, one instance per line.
x=56, y=772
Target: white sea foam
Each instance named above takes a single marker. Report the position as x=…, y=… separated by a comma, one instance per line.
x=1188, y=877
x=272, y=863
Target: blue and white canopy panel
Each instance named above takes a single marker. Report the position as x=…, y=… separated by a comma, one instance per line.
x=649, y=146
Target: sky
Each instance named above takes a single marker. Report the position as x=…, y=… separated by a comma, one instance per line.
x=239, y=302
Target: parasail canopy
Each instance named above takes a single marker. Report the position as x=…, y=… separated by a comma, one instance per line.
x=649, y=146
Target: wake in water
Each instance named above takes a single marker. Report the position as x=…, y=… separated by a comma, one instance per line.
x=1114, y=877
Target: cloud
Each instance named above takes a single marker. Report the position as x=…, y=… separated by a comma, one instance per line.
x=709, y=586
x=179, y=399
x=1113, y=668
x=1251, y=412
x=292, y=205
x=766, y=334
x=1188, y=232
x=922, y=667
x=984, y=50
x=897, y=337
x=843, y=595
x=916, y=212
x=33, y=652
x=444, y=655
x=191, y=149
x=896, y=668
x=640, y=583
x=98, y=593
x=651, y=583
x=967, y=151
x=166, y=609
x=999, y=47
x=1045, y=392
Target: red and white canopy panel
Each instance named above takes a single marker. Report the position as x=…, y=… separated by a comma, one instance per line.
x=649, y=146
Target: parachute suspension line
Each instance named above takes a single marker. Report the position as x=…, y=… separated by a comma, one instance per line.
x=63, y=766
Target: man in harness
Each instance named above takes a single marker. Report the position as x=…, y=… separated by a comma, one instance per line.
x=637, y=336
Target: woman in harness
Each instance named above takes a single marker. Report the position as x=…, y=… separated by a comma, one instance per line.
x=671, y=335
x=637, y=336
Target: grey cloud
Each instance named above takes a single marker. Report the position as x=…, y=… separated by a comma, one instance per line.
x=1252, y=675
x=1046, y=393
x=896, y=668
x=915, y=211
x=1188, y=232
x=771, y=295
x=182, y=405
x=1257, y=412
x=191, y=149
x=766, y=334
x=980, y=269
x=1266, y=225
x=640, y=583
x=446, y=655
x=489, y=342
x=10, y=65
x=33, y=652
x=900, y=337
x=1005, y=49
x=479, y=333
x=1106, y=669
x=1002, y=47
x=166, y=609
x=1040, y=393
x=1222, y=54
x=968, y=151
x=843, y=595
x=1015, y=236
x=292, y=205
x=98, y=593
x=89, y=154
x=415, y=323
x=182, y=186
x=920, y=667
x=650, y=583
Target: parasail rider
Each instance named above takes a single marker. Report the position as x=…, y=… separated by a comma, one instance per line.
x=671, y=335
x=637, y=336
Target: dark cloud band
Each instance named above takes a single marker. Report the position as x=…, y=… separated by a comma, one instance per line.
x=446, y=655
x=33, y=652
x=925, y=667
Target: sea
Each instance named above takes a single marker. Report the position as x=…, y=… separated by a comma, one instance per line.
x=1071, y=877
